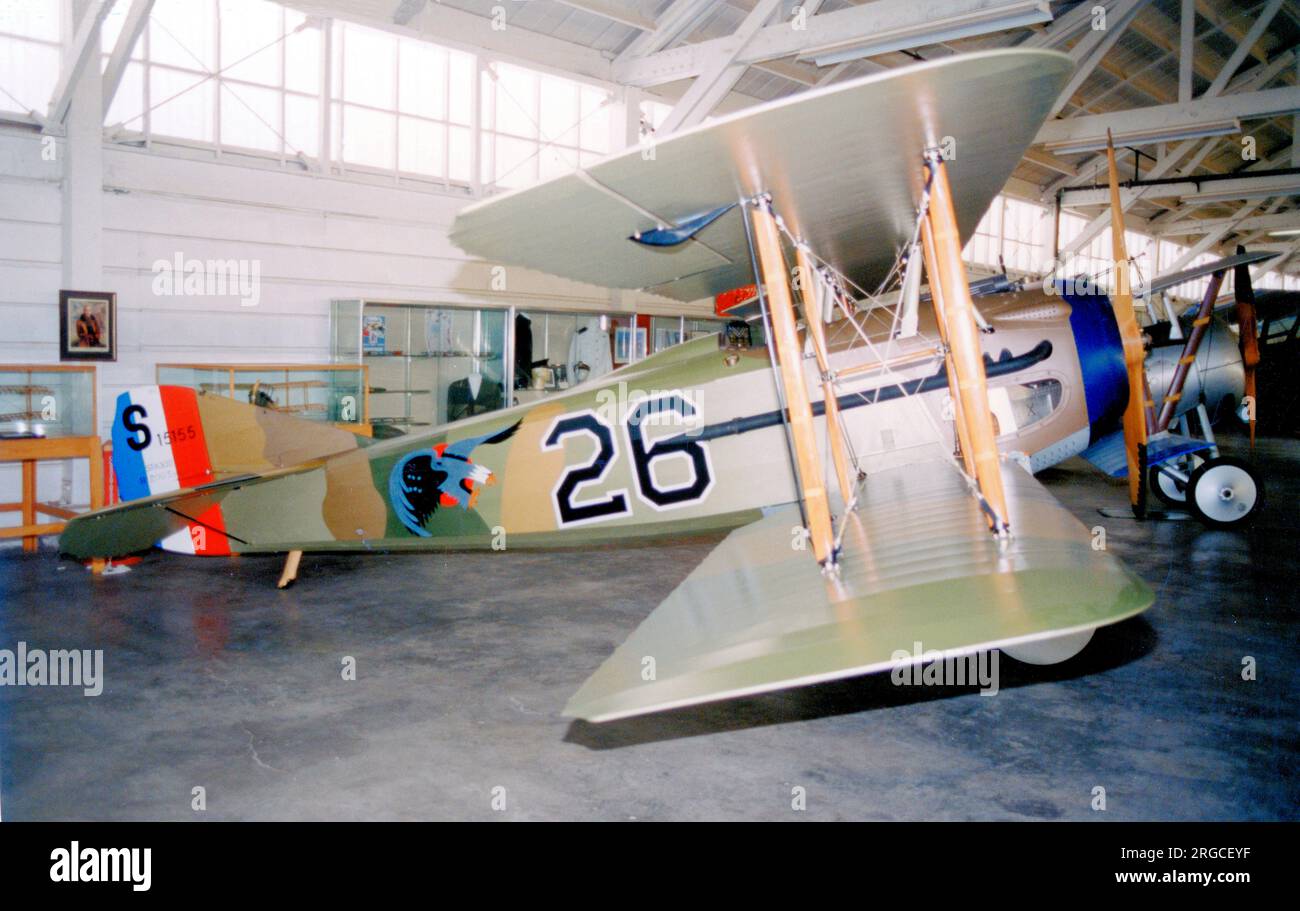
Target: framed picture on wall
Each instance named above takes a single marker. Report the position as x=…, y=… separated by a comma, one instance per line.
x=87, y=326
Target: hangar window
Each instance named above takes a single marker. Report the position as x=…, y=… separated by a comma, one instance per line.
x=241, y=74
x=537, y=126
x=401, y=105
x=29, y=54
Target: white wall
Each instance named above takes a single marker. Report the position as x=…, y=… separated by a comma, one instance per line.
x=314, y=237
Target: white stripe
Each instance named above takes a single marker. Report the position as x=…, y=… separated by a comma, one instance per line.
x=159, y=460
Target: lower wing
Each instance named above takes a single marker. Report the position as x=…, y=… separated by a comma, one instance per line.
x=918, y=565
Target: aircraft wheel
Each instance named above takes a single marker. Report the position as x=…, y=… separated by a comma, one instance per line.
x=1050, y=651
x=1167, y=487
x=1224, y=493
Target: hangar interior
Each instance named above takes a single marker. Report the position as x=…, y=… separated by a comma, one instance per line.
x=255, y=200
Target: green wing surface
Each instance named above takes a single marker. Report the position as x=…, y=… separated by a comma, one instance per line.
x=918, y=566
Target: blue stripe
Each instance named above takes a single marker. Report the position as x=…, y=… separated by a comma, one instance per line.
x=128, y=464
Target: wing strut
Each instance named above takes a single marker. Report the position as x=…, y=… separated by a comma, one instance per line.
x=785, y=339
x=961, y=335
x=812, y=317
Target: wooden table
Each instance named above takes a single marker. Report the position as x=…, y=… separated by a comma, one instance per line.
x=30, y=452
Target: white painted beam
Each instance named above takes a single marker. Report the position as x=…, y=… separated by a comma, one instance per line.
x=83, y=165
x=673, y=24
x=1186, y=50
x=1243, y=48
x=872, y=28
x=1064, y=27
x=721, y=76
x=1208, y=241
x=1253, y=187
x=85, y=46
x=1279, y=221
x=1088, y=52
x=1139, y=125
x=630, y=18
x=137, y=17
x=1248, y=81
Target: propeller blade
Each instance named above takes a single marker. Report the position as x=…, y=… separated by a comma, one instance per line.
x=1135, y=413
x=1248, y=337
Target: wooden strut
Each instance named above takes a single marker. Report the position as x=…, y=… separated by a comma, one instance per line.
x=936, y=297
x=957, y=314
x=1188, y=357
x=785, y=337
x=290, y=572
x=812, y=318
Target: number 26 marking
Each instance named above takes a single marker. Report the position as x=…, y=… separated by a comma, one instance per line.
x=616, y=503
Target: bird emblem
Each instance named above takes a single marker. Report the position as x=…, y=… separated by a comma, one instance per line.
x=442, y=475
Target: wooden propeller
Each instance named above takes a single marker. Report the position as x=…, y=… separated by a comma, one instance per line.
x=1121, y=298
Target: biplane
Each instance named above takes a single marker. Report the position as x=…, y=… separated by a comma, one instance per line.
x=867, y=443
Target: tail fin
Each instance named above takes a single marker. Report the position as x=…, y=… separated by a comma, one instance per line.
x=170, y=438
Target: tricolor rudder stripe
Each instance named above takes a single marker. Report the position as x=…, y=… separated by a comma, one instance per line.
x=159, y=447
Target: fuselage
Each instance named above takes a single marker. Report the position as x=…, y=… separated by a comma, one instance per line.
x=691, y=439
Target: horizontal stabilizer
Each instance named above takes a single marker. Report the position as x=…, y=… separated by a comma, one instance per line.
x=138, y=525
x=918, y=566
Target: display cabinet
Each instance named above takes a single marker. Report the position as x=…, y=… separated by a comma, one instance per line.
x=46, y=400
x=337, y=393
x=47, y=413
x=427, y=365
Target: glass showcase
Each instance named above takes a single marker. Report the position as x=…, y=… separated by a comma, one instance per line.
x=47, y=400
x=319, y=392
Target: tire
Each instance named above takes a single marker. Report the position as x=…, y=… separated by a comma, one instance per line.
x=1225, y=493
x=1166, y=488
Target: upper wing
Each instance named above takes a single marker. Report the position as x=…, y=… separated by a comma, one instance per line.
x=843, y=165
x=918, y=566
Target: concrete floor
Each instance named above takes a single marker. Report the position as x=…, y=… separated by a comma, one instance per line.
x=215, y=679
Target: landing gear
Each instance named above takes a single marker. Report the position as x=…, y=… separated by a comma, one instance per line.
x=1169, y=481
x=1050, y=651
x=1224, y=493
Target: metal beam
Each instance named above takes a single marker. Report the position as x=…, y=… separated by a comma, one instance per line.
x=1232, y=188
x=1186, y=50
x=675, y=22
x=1066, y=26
x=1208, y=241
x=137, y=17
x=712, y=85
x=1243, y=48
x=1196, y=226
x=873, y=28
x=630, y=18
x=1248, y=81
x=1089, y=50
x=85, y=45
x=1143, y=126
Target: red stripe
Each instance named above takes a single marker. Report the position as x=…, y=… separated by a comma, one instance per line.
x=189, y=447
x=215, y=543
